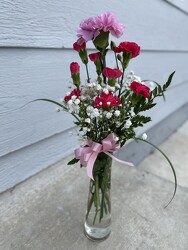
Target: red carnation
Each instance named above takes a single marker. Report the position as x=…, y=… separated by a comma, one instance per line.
x=106, y=100
x=79, y=47
x=140, y=89
x=74, y=68
x=95, y=56
x=112, y=73
x=75, y=92
x=128, y=47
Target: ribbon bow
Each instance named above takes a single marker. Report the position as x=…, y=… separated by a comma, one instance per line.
x=87, y=155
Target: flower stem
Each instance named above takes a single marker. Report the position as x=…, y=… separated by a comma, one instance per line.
x=102, y=204
x=172, y=167
x=88, y=78
x=121, y=82
x=104, y=65
x=116, y=60
x=97, y=201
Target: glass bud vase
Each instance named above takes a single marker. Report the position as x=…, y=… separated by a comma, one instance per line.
x=98, y=214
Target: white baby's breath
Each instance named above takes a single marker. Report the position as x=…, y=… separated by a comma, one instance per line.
x=144, y=136
x=128, y=124
x=88, y=120
x=108, y=115
x=117, y=113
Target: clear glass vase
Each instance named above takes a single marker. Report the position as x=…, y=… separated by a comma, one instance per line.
x=98, y=214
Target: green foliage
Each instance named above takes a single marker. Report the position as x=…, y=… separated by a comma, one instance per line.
x=73, y=161
x=167, y=84
x=139, y=120
x=52, y=101
x=101, y=41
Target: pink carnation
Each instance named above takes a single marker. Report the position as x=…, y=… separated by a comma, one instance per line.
x=112, y=73
x=75, y=92
x=103, y=100
x=90, y=28
x=74, y=68
x=140, y=89
x=128, y=47
x=95, y=57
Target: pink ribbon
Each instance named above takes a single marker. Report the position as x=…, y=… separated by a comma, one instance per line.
x=87, y=155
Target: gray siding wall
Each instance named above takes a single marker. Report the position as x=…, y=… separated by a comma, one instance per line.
x=36, y=40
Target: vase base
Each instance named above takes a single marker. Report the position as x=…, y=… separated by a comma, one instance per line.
x=96, y=234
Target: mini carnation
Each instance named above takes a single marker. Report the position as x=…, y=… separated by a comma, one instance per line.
x=90, y=28
x=108, y=103
x=128, y=124
x=140, y=89
x=144, y=136
x=117, y=113
x=108, y=115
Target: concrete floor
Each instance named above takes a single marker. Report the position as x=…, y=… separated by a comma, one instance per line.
x=47, y=211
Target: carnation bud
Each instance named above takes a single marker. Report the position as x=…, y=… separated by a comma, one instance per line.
x=74, y=68
x=75, y=73
x=112, y=45
x=79, y=47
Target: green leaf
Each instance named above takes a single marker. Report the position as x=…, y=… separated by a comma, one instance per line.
x=173, y=170
x=58, y=104
x=159, y=88
x=73, y=161
x=154, y=92
x=138, y=120
x=52, y=101
x=112, y=45
x=167, y=84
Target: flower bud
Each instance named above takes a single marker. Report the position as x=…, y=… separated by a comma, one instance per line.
x=74, y=68
x=75, y=73
x=79, y=47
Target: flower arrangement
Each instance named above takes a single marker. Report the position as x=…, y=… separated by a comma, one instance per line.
x=107, y=109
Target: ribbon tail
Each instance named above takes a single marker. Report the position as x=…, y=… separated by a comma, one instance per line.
x=116, y=159
x=90, y=165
